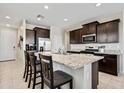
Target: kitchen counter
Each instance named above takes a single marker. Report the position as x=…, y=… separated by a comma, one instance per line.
x=74, y=61
x=111, y=52
x=82, y=67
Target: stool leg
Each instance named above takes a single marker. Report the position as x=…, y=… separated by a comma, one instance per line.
x=42, y=81
x=30, y=77
x=71, y=84
x=27, y=74
x=24, y=72
x=34, y=80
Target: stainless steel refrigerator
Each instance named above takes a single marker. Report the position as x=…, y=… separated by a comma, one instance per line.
x=45, y=43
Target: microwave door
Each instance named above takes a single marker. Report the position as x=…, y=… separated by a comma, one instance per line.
x=89, y=38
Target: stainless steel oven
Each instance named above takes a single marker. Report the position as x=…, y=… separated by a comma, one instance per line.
x=89, y=38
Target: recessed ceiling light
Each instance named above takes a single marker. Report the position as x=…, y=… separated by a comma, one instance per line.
x=8, y=25
x=98, y=4
x=46, y=7
x=7, y=17
x=39, y=17
x=65, y=19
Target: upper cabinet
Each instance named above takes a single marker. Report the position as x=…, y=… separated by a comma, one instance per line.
x=29, y=36
x=90, y=28
x=41, y=32
x=108, y=32
x=101, y=33
x=75, y=37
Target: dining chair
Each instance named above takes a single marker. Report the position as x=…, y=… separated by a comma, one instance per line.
x=53, y=79
x=35, y=70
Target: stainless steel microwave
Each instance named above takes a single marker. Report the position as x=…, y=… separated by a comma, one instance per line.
x=89, y=38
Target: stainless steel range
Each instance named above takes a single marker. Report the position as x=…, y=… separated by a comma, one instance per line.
x=89, y=50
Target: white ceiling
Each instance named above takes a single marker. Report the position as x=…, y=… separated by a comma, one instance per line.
x=55, y=14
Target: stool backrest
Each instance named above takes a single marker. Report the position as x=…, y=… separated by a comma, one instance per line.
x=26, y=58
x=32, y=58
x=47, y=68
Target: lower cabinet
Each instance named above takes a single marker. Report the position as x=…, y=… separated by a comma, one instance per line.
x=109, y=64
x=73, y=52
x=95, y=75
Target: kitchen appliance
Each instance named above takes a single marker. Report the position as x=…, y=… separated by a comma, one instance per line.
x=89, y=50
x=44, y=43
x=101, y=49
x=91, y=38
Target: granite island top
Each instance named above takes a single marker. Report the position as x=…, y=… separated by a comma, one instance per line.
x=74, y=61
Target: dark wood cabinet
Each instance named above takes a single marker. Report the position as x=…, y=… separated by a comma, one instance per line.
x=30, y=36
x=108, y=64
x=72, y=37
x=90, y=28
x=85, y=30
x=108, y=32
x=73, y=52
x=41, y=32
x=101, y=34
x=112, y=31
x=75, y=36
x=33, y=35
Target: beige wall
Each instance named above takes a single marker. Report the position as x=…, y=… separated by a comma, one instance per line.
x=57, y=38
x=20, y=50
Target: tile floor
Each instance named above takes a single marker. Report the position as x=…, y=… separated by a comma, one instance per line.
x=11, y=78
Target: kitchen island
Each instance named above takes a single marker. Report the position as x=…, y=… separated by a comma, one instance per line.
x=82, y=67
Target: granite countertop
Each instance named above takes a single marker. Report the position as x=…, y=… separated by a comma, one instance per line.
x=74, y=61
x=76, y=50
x=111, y=52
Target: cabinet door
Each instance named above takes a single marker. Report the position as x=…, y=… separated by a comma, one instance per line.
x=30, y=36
x=108, y=64
x=43, y=33
x=85, y=29
x=72, y=37
x=75, y=37
x=92, y=29
x=80, y=35
x=112, y=32
x=101, y=33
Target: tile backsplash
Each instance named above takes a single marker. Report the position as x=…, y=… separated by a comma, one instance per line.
x=111, y=46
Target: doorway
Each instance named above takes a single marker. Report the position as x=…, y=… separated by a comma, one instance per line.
x=8, y=39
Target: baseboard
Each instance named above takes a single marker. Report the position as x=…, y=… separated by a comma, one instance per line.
x=121, y=74
x=8, y=60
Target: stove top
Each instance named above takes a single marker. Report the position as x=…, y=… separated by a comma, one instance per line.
x=92, y=50
x=89, y=51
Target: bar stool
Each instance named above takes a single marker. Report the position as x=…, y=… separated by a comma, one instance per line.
x=35, y=70
x=27, y=66
x=53, y=79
